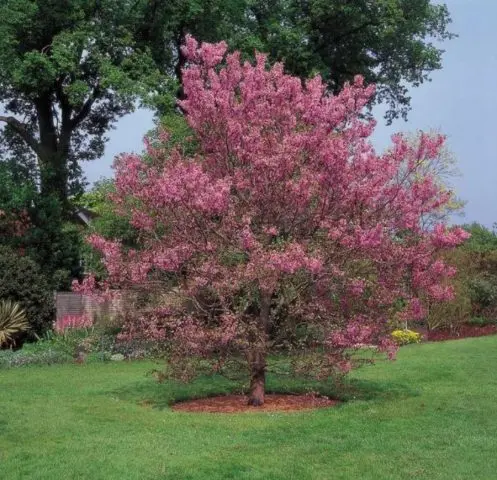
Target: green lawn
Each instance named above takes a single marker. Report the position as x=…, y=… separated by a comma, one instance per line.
x=432, y=414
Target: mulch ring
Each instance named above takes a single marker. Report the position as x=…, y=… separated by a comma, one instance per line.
x=238, y=404
x=464, y=331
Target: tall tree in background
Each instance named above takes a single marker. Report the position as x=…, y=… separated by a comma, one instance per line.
x=388, y=42
x=443, y=169
x=34, y=225
x=68, y=70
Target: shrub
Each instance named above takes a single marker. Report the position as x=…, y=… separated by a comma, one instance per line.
x=481, y=321
x=21, y=358
x=13, y=321
x=404, y=337
x=72, y=322
x=451, y=315
x=22, y=281
x=483, y=291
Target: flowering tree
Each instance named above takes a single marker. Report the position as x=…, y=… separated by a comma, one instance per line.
x=285, y=204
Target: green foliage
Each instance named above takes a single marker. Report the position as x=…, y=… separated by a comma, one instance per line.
x=46, y=237
x=405, y=336
x=181, y=136
x=22, y=281
x=70, y=69
x=84, y=345
x=481, y=321
x=54, y=243
x=483, y=291
x=107, y=223
x=53, y=348
x=13, y=321
x=481, y=250
x=22, y=358
x=475, y=283
x=482, y=239
x=389, y=42
x=96, y=199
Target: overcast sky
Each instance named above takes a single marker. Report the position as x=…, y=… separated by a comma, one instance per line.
x=461, y=101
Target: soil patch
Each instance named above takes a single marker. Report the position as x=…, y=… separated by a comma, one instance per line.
x=238, y=403
x=464, y=331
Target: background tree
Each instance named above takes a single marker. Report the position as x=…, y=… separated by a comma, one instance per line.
x=284, y=202
x=443, y=169
x=389, y=42
x=107, y=223
x=481, y=249
x=68, y=70
x=34, y=225
x=475, y=283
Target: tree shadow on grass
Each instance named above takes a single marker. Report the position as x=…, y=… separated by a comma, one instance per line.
x=153, y=394
x=161, y=395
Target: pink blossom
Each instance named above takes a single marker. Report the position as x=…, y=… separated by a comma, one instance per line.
x=286, y=199
x=72, y=322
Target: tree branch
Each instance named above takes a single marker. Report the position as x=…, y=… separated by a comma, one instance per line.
x=21, y=130
x=86, y=108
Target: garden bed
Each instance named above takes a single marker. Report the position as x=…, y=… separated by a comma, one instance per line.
x=464, y=331
x=238, y=403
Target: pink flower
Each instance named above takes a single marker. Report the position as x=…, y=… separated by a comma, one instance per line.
x=285, y=202
x=72, y=322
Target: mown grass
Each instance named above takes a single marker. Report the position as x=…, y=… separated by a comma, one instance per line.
x=432, y=414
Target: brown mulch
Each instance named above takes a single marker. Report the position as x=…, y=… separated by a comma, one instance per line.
x=464, y=331
x=238, y=403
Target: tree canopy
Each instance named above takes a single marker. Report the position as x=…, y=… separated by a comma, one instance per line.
x=394, y=44
x=284, y=207
x=68, y=70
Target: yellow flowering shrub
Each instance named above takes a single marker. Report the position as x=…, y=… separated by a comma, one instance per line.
x=404, y=337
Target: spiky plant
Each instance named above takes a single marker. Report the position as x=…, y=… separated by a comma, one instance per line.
x=12, y=321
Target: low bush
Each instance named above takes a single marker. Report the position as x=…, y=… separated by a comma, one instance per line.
x=405, y=337
x=481, y=321
x=21, y=281
x=21, y=358
x=13, y=322
x=80, y=345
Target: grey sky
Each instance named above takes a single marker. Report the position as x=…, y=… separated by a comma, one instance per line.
x=461, y=101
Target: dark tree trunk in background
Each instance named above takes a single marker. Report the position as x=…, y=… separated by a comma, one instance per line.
x=257, y=356
x=53, y=150
x=178, y=69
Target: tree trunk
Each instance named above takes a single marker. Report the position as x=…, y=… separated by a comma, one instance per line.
x=257, y=355
x=54, y=177
x=180, y=64
x=53, y=154
x=257, y=379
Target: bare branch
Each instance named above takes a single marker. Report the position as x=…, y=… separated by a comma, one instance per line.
x=21, y=130
x=86, y=108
